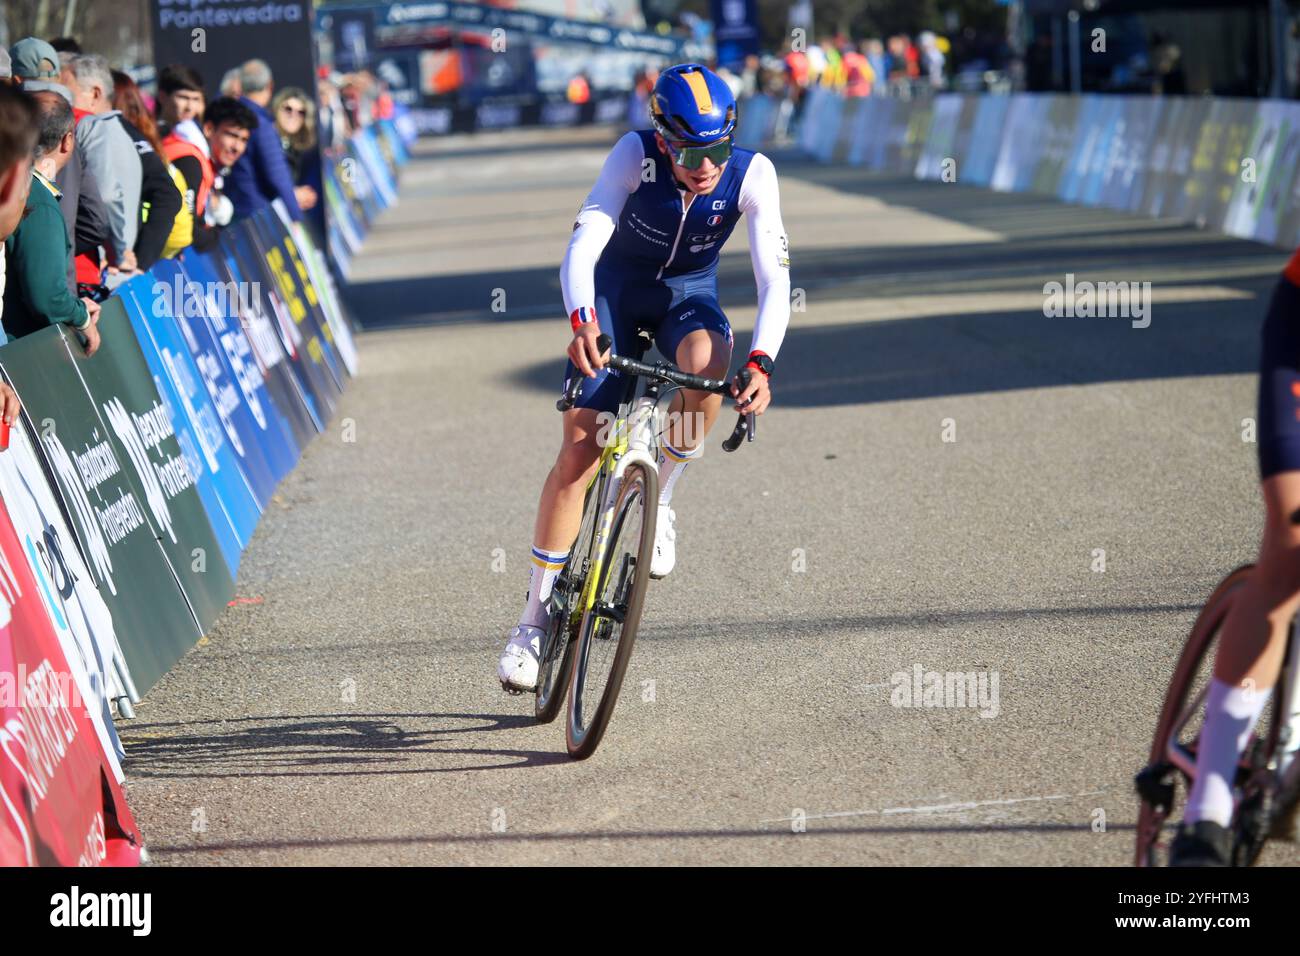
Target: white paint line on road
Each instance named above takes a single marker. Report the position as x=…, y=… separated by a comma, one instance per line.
x=938, y=808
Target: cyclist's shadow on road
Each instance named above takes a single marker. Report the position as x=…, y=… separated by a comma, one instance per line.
x=324, y=745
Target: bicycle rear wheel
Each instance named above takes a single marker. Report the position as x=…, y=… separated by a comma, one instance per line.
x=609, y=626
x=1173, y=750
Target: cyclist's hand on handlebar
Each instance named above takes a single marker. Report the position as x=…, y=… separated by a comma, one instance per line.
x=754, y=397
x=583, y=353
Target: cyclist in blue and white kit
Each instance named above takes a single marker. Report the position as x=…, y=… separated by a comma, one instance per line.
x=644, y=254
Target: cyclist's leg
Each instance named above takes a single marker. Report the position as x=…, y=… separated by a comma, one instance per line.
x=697, y=336
x=1255, y=630
x=559, y=510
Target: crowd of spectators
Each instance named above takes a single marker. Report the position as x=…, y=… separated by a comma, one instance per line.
x=896, y=67
x=99, y=181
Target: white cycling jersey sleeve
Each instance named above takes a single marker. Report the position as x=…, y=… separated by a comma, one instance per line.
x=769, y=251
x=595, y=222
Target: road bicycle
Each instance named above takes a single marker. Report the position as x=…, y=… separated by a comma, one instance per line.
x=1268, y=775
x=595, y=604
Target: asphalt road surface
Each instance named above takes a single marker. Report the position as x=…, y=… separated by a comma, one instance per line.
x=346, y=709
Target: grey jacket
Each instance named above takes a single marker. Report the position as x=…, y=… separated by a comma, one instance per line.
x=84, y=214
x=111, y=158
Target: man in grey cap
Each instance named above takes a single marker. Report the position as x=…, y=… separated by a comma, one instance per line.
x=83, y=210
x=36, y=63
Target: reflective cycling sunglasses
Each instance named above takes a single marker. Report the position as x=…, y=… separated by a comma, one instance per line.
x=692, y=157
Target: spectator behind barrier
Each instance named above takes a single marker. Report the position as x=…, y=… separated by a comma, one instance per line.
x=36, y=294
x=84, y=215
x=83, y=211
x=230, y=85
x=181, y=103
x=180, y=97
x=18, y=132
x=165, y=225
x=227, y=126
x=295, y=121
x=262, y=173
x=111, y=157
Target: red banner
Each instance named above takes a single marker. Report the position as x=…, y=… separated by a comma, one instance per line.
x=59, y=802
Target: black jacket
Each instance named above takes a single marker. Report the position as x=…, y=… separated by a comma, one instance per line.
x=160, y=200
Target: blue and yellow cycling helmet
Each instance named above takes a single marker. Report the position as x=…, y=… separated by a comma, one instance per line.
x=691, y=104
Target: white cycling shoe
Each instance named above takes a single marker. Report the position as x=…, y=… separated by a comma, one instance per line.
x=665, y=556
x=517, y=668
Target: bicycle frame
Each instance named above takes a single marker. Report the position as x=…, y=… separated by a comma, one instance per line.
x=634, y=437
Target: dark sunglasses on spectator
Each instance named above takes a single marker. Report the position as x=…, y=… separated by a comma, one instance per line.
x=692, y=157
x=298, y=110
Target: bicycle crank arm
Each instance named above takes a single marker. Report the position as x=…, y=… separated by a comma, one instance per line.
x=610, y=612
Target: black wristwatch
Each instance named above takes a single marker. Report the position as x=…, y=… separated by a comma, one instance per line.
x=762, y=362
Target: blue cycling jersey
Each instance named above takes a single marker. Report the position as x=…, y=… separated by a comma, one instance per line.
x=658, y=235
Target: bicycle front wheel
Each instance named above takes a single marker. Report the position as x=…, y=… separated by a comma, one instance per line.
x=609, y=626
x=556, y=664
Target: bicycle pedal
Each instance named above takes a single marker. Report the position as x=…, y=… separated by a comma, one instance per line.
x=512, y=691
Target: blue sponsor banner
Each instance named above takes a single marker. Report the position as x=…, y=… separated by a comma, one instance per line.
x=233, y=315
x=232, y=511
x=259, y=326
x=306, y=356
x=233, y=409
x=986, y=140
x=272, y=431
x=1126, y=165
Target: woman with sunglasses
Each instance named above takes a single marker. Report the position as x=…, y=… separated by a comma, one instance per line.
x=644, y=254
x=295, y=121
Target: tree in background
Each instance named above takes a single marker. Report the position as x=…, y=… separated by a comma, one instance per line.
x=117, y=29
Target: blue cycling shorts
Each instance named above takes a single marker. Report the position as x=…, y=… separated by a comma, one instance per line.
x=671, y=308
x=1279, y=383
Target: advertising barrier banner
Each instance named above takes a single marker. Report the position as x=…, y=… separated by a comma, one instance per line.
x=247, y=310
x=73, y=604
x=235, y=415
x=140, y=427
x=110, y=515
x=224, y=489
x=306, y=354
x=60, y=803
x=293, y=293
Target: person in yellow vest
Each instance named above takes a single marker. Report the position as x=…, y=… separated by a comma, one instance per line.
x=227, y=126
x=833, y=75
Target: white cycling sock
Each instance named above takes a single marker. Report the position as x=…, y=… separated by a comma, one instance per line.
x=671, y=465
x=1230, y=717
x=546, y=567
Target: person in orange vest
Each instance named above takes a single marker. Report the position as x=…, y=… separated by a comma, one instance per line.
x=860, y=76
x=227, y=125
x=579, y=89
